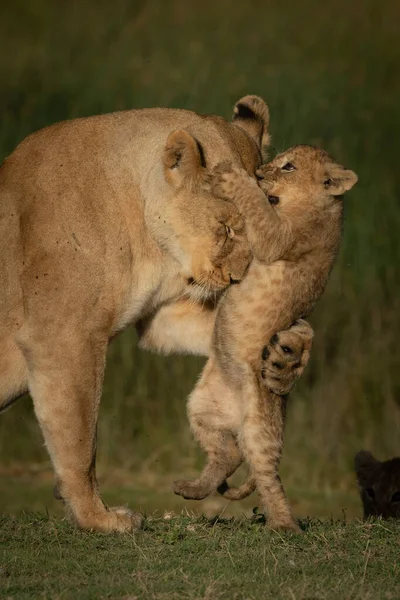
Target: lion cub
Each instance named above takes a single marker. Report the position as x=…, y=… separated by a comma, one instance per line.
x=379, y=485
x=293, y=223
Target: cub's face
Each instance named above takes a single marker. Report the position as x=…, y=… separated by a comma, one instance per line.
x=304, y=177
x=379, y=485
x=204, y=233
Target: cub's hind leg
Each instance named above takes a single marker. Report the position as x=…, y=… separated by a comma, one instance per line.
x=283, y=360
x=214, y=409
x=261, y=440
x=214, y=418
x=65, y=381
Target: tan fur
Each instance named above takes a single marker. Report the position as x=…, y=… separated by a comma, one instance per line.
x=185, y=326
x=103, y=221
x=294, y=242
x=379, y=484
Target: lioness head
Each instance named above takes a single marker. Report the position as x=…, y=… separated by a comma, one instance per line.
x=204, y=233
x=208, y=233
x=379, y=485
x=304, y=177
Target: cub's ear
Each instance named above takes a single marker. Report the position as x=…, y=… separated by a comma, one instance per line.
x=364, y=465
x=183, y=158
x=252, y=114
x=339, y=180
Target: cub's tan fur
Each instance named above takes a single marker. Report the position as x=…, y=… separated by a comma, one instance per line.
x=102, y=221
x=379, y=485
x=294, y=231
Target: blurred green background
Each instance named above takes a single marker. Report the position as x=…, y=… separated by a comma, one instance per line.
x=330, y=73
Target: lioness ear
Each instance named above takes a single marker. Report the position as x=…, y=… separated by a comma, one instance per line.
x=183, y=158
x=364, y=464
x=252, y=114
x=339, y=180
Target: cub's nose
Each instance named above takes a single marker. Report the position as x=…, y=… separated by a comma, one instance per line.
x=266, y=172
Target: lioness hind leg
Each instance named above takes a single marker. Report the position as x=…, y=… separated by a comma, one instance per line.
x=212, y=424
x=65, y=381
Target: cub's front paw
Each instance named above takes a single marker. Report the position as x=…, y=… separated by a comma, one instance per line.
x=226, y=180
x=285, y=357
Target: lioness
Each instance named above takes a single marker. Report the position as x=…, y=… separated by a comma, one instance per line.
x=294, y=223
x=102, y=221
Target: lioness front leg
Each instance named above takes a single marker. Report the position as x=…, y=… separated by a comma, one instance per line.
x=285, y=357
x=65, y=381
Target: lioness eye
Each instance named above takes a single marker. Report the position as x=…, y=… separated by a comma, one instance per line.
x=370, y=493
x=395, y=497
x=229, y=232
x=288, y=167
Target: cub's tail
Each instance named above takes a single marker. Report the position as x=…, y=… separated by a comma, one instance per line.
x=240, y=492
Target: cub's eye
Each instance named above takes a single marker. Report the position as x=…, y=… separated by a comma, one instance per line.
x=370, y=493
x=395, y=498
x=259, y=176
x=328, y=182
x=229, y=232
x=274, y=200
x=288, y=167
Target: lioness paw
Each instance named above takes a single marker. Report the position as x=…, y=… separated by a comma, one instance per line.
x=285, y=357
x=118, y=518
x=125, y=519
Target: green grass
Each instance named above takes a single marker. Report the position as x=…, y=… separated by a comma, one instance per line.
x=186, y=557
x=330, y=74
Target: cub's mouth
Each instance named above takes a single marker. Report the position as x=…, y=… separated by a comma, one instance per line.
x=266, y=178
